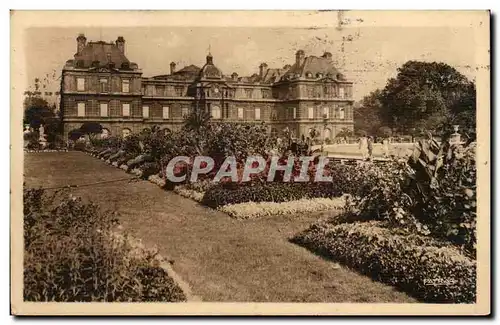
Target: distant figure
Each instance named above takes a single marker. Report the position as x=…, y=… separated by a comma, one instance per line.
x=370, y=148
x=385, y=147
x=363, y=147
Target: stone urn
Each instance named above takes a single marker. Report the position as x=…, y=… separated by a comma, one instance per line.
x=455, y=136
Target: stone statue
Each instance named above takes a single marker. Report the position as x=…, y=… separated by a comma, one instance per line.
x=42, y=140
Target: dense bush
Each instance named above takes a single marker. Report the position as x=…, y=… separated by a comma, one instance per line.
x=149, y=168
x=416, y=264
x=233, y=193
x=72, y=254
x=433, y=193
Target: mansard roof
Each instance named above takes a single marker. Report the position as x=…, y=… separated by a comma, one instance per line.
x=189, y=72
x=314, y=66
x=101, y=52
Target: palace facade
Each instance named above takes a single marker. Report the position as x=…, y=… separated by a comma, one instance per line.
x=101, y=85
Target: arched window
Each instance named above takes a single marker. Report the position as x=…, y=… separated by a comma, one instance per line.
x=216, y=114
x=327, y=134
x=126, y=132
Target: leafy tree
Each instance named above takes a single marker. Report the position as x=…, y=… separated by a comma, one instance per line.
x=91, y=129
x=367, y=113
x=75, y=134
x=423, y=95
x=37, y=111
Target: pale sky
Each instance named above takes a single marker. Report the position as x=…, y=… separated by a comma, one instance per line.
x=369, y=59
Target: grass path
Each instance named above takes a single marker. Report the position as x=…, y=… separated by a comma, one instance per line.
x=222, y=259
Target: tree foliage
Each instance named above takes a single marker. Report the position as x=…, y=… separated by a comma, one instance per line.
x=367, y=114
x=91, y=128
x=424, y=96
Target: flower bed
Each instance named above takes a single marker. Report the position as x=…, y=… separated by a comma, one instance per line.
x=429, y=269
x=45, y=150
x=189, y=193
x=156, y=179
x=222, y=195
x=251, y=210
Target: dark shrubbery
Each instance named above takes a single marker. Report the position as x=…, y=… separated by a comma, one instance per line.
x=428, y=269
x=72, y=254
x=233, y=193
x=149, y=168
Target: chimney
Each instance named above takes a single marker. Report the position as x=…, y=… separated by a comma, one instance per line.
x=172, y=67
x=327, y=55
x=299, y=57
x=81, y=41
x=262, y=70
x=120, y=43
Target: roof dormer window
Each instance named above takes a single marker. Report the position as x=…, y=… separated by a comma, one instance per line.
x=319, y=75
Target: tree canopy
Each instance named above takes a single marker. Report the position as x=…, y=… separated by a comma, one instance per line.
x=91, y=128
x=424, y=96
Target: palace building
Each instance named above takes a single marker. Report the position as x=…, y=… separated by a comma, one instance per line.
x=101, y=85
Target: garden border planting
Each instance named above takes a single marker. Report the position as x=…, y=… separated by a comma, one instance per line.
x=431, y=270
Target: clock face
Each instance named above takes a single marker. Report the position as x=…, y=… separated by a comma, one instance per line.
x=216, y=90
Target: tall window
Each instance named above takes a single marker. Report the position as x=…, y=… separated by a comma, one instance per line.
x=184, y=111
x=310, y=112
x=125, y=85
x=294, y=113
x=104, y=85
x=326, y=112
x=166, y=112
x=240, y=113
x=257, y=113
x=145, y=111
x=226, y=111
x=125, y=109
x=81, y=109
x=80, y=84
x=215, y=112
x=341, y=92
x=104, y=109
x=342, y=113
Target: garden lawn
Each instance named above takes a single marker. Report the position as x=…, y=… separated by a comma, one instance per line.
x=222, y=259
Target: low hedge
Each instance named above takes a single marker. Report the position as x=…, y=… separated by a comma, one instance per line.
x=234, y=193
x=431, y=270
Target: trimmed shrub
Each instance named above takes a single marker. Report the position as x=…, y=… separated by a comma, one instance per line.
x=232, y=193
x=429, y=269
x=149, y=168
x=72, y=254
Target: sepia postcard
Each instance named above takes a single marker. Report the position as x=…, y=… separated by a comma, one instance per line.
x=250, y=163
